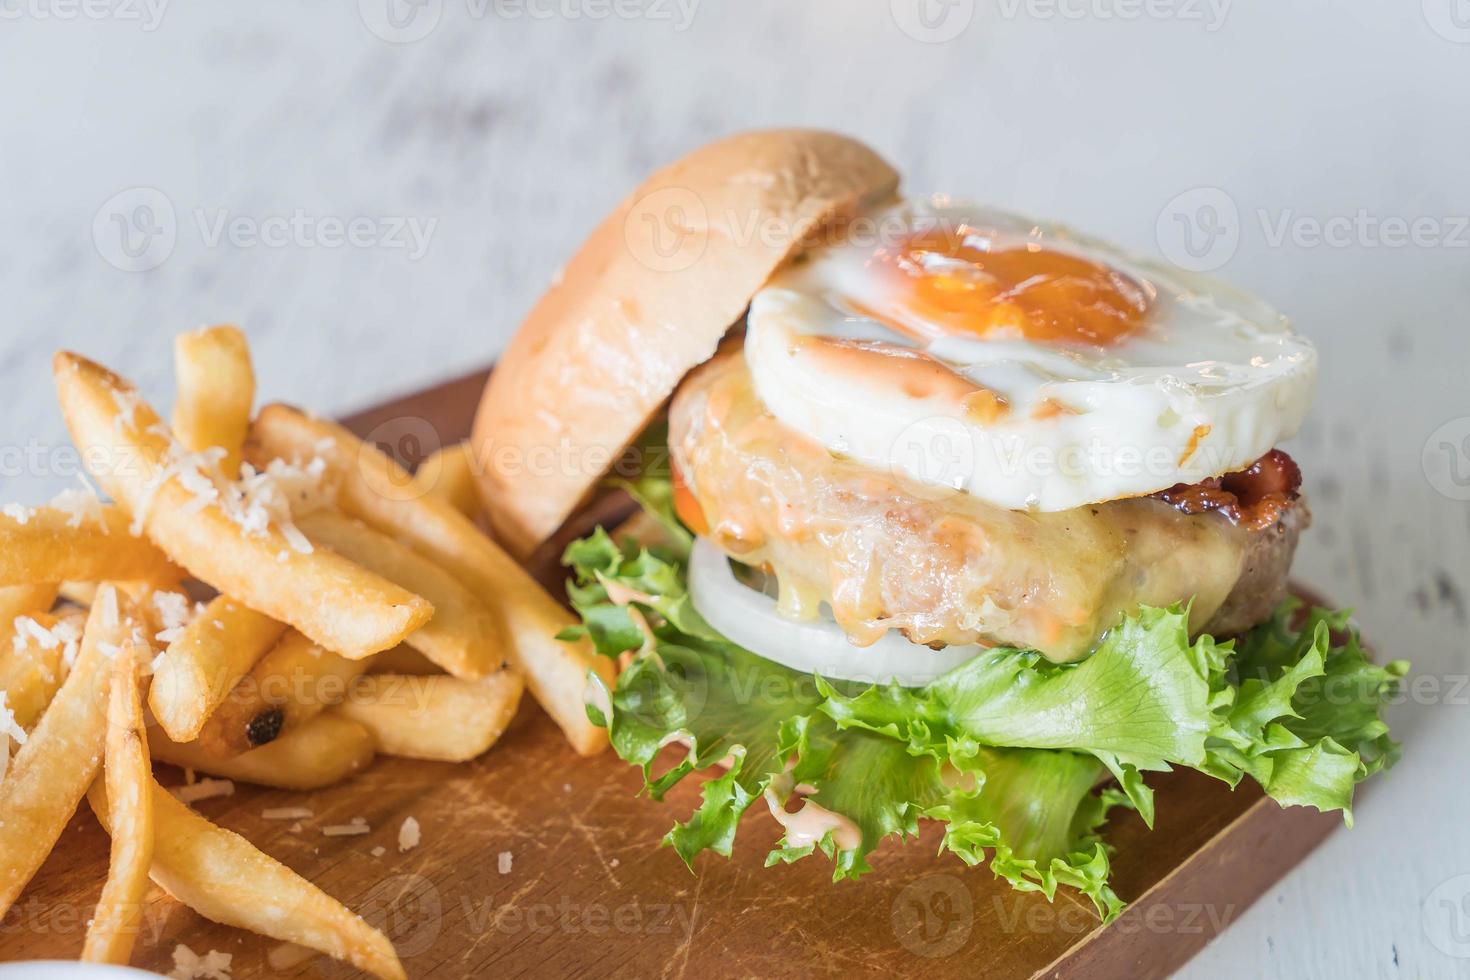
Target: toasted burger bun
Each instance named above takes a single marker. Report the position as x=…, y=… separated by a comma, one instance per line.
x=646, y=299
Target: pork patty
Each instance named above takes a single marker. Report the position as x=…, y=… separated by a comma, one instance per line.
x=944, y=568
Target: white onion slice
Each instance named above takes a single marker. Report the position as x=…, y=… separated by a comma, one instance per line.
x=750, y=619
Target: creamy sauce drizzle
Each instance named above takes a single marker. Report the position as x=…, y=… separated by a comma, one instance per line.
x=812, y=822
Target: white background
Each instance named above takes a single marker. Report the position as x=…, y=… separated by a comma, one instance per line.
x=512, y=133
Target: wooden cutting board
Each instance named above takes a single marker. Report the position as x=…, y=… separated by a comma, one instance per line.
x=537, y=863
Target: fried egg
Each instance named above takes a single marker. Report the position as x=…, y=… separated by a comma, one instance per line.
x=970, y=350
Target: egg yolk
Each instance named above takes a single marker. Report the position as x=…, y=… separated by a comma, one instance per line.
x=952, y=281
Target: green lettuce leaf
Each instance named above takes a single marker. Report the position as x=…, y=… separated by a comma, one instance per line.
x=650, y=484
x=1037, y=814
x=1331, y=735
x=656, y=497
x=1006, y=751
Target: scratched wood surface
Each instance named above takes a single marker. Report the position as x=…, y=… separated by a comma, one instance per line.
x=510, y=134
x=587, y=891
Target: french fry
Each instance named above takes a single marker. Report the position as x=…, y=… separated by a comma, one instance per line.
x=216, y=390
x=32, y=663
x=374, y=489
x=83, y=594
x=78, y=593
x=62, y=754
x=463, y=637
x=128, y=776
x=224, y=878
x=201, y=667
x=291, y=684
x=319, y=752
x=437, y=717
x=52, y=545
x=449, y=474
x=335, y=602
x=25, y=600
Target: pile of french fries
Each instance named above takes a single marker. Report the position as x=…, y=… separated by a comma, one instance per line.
x=252, y=602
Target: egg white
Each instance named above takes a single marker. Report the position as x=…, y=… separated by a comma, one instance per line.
x=1211, y=382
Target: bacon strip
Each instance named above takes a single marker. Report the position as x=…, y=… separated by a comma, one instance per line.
x=1255, y=497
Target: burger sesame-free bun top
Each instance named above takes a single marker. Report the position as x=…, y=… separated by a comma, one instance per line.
x=648, y=297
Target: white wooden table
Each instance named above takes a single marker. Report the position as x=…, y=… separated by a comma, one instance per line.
x=1324, y=145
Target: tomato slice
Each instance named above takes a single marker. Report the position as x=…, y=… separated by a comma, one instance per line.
x=686, y=506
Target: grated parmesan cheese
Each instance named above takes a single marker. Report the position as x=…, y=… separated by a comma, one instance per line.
x=189, y=965
x=27, y=630
x=107, y=607
x=286, y=813
x=275, y=495
x=9, y=731
x=504, y=862
x=358, y=826
x=127, y=402
x=378, y=852
x=80, y=506
x=64, y=634
x=174, y=610
x=205, y=789
x=8, y=724
x=257, y=502
x=70, y=634
x=408, y=835
x=18, y=513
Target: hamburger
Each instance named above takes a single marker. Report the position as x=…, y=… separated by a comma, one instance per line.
x=947, y=514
